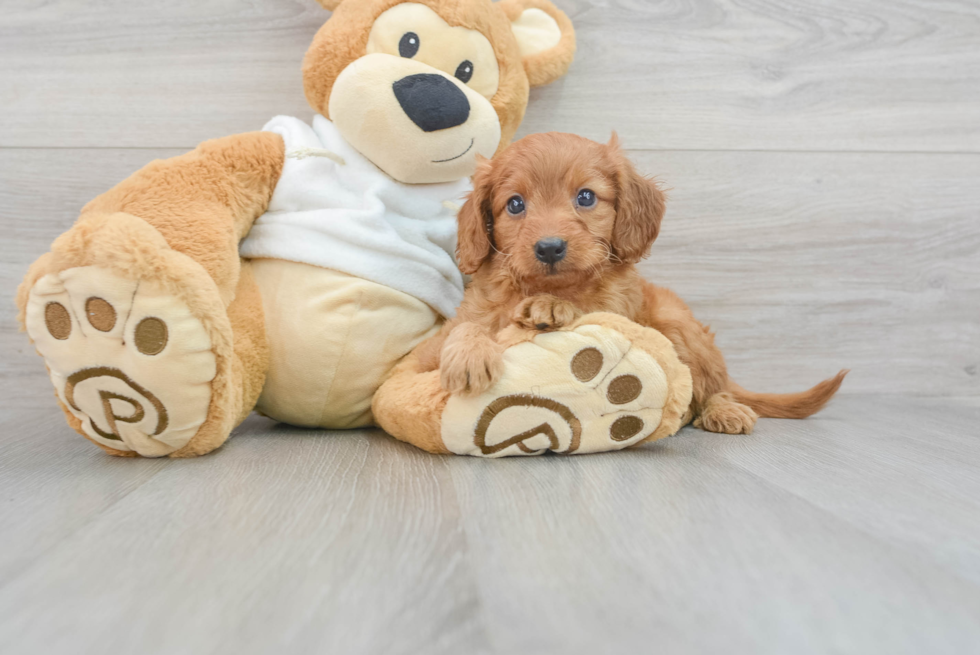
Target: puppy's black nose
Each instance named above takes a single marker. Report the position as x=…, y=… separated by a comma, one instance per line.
x=551, y=250
x=432, y=101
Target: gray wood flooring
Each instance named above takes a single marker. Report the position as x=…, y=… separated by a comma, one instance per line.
x=824, y=161
x=855, y=532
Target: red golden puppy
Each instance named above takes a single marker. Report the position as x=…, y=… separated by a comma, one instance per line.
x=553, y=228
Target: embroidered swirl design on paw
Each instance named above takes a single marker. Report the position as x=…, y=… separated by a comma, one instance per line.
x=527, y=400
x=585, y=365
x=110, y=416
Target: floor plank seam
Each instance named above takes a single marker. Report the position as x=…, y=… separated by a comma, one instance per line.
x=887, y=543
x=467, y=553
x=39, y=556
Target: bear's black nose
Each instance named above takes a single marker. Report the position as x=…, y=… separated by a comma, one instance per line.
x=551, y=250
x=432, y=101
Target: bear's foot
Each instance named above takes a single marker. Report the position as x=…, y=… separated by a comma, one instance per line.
x=605, y=383
x=127, y=359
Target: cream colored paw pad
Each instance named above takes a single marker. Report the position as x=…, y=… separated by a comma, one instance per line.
x=126, y=358
x=582, y=391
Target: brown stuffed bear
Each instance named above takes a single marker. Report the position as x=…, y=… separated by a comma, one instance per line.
x=290, y=270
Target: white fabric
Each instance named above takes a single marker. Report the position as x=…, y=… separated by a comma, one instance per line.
x=354, y=218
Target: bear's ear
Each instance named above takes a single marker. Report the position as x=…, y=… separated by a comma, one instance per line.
x=329, y=5
x=546, y=38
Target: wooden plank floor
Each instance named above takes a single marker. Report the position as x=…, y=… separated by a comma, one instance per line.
x=824, y=161
x=855, y=532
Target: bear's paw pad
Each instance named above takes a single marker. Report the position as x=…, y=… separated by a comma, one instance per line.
x=126, y=358
x=580, y=391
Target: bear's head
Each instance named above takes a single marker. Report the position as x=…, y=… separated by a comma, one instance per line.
x=422, y=87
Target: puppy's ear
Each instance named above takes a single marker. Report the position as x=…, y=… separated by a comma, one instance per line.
x=330, y=5
x=475, y=221
x=640, y=206
x=545, y=36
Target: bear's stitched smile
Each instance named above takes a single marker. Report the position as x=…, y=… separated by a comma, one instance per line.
x=468, y=148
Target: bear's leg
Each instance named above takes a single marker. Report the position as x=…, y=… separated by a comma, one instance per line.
x=150, y=325
x=409, y=406
x=601, y=383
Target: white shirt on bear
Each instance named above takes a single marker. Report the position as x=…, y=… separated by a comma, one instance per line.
x=354, y=218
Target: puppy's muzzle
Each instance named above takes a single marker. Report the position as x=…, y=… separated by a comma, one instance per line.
x=551, y=250
x=431, y=101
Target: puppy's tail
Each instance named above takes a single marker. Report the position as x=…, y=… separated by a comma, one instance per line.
x=789, y=405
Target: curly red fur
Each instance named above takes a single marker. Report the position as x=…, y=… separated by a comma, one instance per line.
x=598, y=273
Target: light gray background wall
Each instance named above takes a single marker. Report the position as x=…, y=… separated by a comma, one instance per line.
x=822, y=155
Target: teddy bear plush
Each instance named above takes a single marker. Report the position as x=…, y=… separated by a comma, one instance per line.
x=291, y=271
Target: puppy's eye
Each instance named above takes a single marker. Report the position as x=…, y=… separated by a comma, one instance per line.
x=586, y=198
x=408, y=47
x=464, y=72
x=515, y=206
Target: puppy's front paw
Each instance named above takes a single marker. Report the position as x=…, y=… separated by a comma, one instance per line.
x=471, y=360
x=545, y=313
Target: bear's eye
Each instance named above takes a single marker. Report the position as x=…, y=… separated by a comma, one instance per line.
x=586, y=198
x=515, y=206
x=464, y=72
x=409, y=45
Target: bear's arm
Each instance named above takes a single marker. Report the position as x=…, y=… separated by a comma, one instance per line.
x=203, y=202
